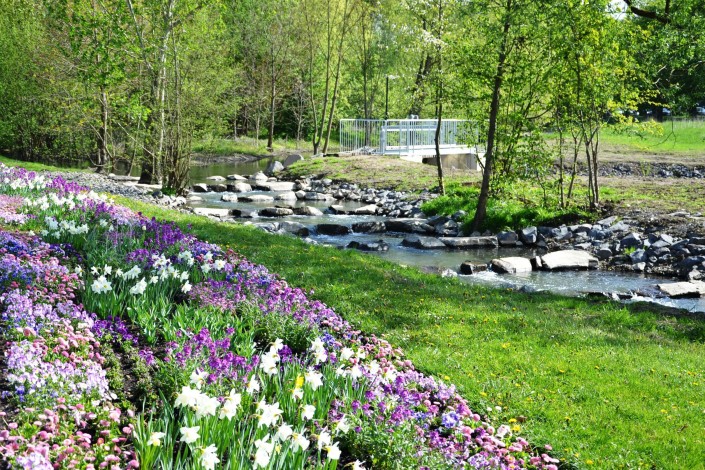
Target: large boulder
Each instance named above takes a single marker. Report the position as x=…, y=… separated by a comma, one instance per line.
x=244, y=213
x=449, y=228
x=239, y=187
x=507, y=238
x=511, y=265
x=211, y=211
x=258, y=198
x=218, y=188
x=369, y=227
x=468, y=268
x=332, y=229
x=408, y=226
x=258, y=178
x=464, y=243
x=229, y=198
x=307, y=210
x=235, y=178
x=315, y=196
x=423, y=243
x=568, y=259
x=277, y=186
x=276, y=212
x=286, y=196
x=370, y=209
x=295, y=228
x=274, y=167
x=529, y=235
x=291, y=159
x=199, y=188
x=633, y=240
x=678, y=290
x=215, y=178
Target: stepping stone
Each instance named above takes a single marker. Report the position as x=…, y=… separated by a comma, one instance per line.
x=229, y=197
x=278, y=186
x=511, y=265
x=239, y=188
x=423, y=243
x=259, y=198
x=369, y=227
x=409, y=226
x=286, y=196
x=370, y=209
x=243, y=213
x=469, y=268
x=211, y=211
x=199, y=188
x=218, y=188
x=379, y=245
x=308, y=210
x=569, y=259
x=461, y=243
x=215, y=178
x=679, y=290
x=332, y=229
x=295, y=228
x=236, y=178
x=275, y=212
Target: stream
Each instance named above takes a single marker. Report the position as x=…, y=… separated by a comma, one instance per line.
x=572, y=283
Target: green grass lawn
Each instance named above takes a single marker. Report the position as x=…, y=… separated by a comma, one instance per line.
x=668, y=137
x=607, y=385
x=246, y=146
x=32, y=166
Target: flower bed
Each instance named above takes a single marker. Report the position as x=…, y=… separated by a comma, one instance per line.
x=249, y=372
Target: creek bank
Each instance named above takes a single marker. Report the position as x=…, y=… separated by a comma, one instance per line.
x=632, y=244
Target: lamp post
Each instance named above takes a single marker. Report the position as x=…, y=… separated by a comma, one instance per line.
x=386, y=96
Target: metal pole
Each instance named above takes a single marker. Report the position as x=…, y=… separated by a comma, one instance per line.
x=386, y=100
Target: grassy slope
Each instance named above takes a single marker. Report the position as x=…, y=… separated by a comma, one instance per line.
x=681, y=137
x=607, y=385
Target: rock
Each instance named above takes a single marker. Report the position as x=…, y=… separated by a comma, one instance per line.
x=229, y=197
x=507, y=238
x=370, y=209
x=638, y=256
x=277, y=186
x=326, y=182
x=379, y=245
x=529, y=235
x=211, y=212
x=582, y=246
x=423, y=243
x=307, y=210
x=295, y=228
x=633, y=240
x=469, y=268
x=678, y=290
x=604, y=252
x=194, y=198
x=218, y=188
x=511, y=265
x=300, y=194
x=619, y=227
x=449, y=228
x=461, y=243
x=199, y=188
x=332, y=229
x=286, y=196
x=608, y=221
x=270, y=227
x=274, y=167
x=408, y=226
x=291, y=159
x=314, y=196
x=243, y=213
x=258, y=198
x=215, y=178
x=369, y=227
x=276, y=212
x=235, y=178
x=568, y=259
x=664, y=237
x=239, y=188
x=459, y=216
x=338, y=209
x=258, y=177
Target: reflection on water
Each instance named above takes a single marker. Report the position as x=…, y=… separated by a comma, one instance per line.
x=199, y=174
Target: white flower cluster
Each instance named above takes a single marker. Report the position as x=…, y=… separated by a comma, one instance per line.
x=56, y=228
x=38, y=182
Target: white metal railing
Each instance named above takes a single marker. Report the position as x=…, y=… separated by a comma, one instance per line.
x=405, y=136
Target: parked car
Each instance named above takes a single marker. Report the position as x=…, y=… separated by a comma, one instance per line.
x=699, y=109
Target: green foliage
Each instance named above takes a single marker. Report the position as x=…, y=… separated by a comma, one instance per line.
x=506, y=213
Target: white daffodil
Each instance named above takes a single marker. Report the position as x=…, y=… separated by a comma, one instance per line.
x=186, y=287
x=342, y=426
x=189, y=435
x=314, y=379
x=357, y=465
x=297, y=393
x=139, y=288
x=155, y=439
x=333, y=452
x=308, y=412
x=206, y=406
x=252, y=385
x=230, y=405
x=299, y=441
x=188, y=397
x=264, y=451
x=283, y=432
x=270, y=414
x=324, y=439
x=209, y=457
x=346, y=353
x=198, y=378
x=219, y=264
x=101, y=285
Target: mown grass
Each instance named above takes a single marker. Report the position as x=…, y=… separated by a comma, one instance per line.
x=608, y=385
x=33, y=166
x=686, y=137
x=219, y=146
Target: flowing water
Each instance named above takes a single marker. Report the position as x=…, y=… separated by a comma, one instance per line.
x=565, y=282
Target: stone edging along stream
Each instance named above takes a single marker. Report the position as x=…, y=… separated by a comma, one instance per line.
x=609, y=243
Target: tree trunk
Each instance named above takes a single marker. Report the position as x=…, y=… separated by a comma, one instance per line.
x=103, y=134
x=481, y=211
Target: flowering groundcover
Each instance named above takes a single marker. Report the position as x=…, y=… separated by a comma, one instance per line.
x=245, y=370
